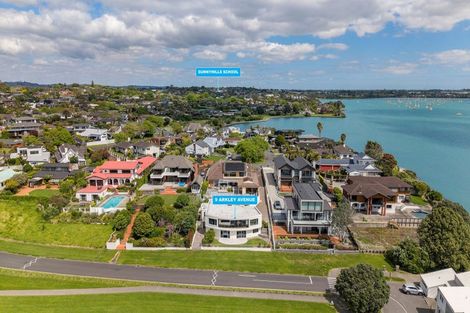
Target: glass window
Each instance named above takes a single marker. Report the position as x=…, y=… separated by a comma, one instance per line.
x=255, y=230
x=254, y=222
x=224, y=234
x=212, y=221
x=241, y=234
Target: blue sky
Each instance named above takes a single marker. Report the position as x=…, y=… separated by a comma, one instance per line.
x=309, y=44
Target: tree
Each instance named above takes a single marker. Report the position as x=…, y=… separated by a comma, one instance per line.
x=66, y=188
x=252, y=149
x=280, y=140
x=341, y=219
x=154, y=202
x=143, y=225
x=445, y=236
x=121, y=220
x=56, y=136
x=181, y=201
x=162, y=214
x=319, y=128
x=434, y=196
x=421, y=188
x=342, y=138
x=387, y=163
x=363, y=288
x=374, y=150
x=184, y=222
x=338, y=194
x=31, y=140
x=27, y=168
x=409, y=256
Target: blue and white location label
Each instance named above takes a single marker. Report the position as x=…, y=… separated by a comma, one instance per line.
x=218, y=72
x=235, y=200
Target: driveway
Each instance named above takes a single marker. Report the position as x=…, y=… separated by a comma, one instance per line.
x=402, y=303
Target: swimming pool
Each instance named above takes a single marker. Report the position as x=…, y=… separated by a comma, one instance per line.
x=420, y=214
x=112, y=202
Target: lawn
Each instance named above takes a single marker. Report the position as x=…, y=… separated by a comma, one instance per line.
x=23, y=280
x=169, y=199
x=254, y=242
x=418, y=201
x=20, y=220
x=155, y=302
x=84, y=254
x=44, y=193
x=381, y=237
x=249, y=261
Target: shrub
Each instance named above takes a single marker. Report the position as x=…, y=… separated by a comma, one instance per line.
x=177, y=240
x=150, y=242
x=184, y=222
x=181, y=201
x=409, y=256
x=154, y=202
x=209, y=237
x=121, y=219
x=143, y=226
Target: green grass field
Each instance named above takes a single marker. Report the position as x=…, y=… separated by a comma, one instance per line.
x=24, y=280
x=20, y=220
x=155, y=302
x=248, y=261
x=44, y=193
x=84, y=254
x=169, y=199
x=418, y=200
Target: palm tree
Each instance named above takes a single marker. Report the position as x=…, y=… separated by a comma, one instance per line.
x=342, y=138
x=320, y=128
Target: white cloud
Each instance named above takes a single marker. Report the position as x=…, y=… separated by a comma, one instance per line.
x=210, y=55
x=400, y=68
x=334, y=46
x=450, y=57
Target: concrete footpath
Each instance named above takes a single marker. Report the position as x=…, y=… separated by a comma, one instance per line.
x=161, y=289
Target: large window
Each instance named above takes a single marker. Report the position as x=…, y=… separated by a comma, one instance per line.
x=241, y=234
x=312, y=206
x=233, y=223
x=254, y=222
x=212, y=221
x=224, y=234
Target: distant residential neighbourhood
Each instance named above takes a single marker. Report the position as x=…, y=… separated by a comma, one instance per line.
x=141, y=170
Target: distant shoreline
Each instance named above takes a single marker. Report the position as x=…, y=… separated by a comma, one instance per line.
x=270, y=117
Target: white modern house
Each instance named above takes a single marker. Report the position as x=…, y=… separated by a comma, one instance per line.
x=446, y=278
x=233, y=224
x=95, y=134
x=204, y=147
x=453, y=300
x=199, y=148
x=34, y=155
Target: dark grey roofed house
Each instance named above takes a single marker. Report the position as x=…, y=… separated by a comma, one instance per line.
x=287, y=172
x=308, y=210
x=56, y=171
x=234, y=166
x=343, y=151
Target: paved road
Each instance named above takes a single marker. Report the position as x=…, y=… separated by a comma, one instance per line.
x=179, y=276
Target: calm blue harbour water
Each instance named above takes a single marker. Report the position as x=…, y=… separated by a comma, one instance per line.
x=428, y=136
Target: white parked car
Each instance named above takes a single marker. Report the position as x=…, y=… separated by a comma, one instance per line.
x=412, y=289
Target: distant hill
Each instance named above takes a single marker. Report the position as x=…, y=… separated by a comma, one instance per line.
x=25, y=84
